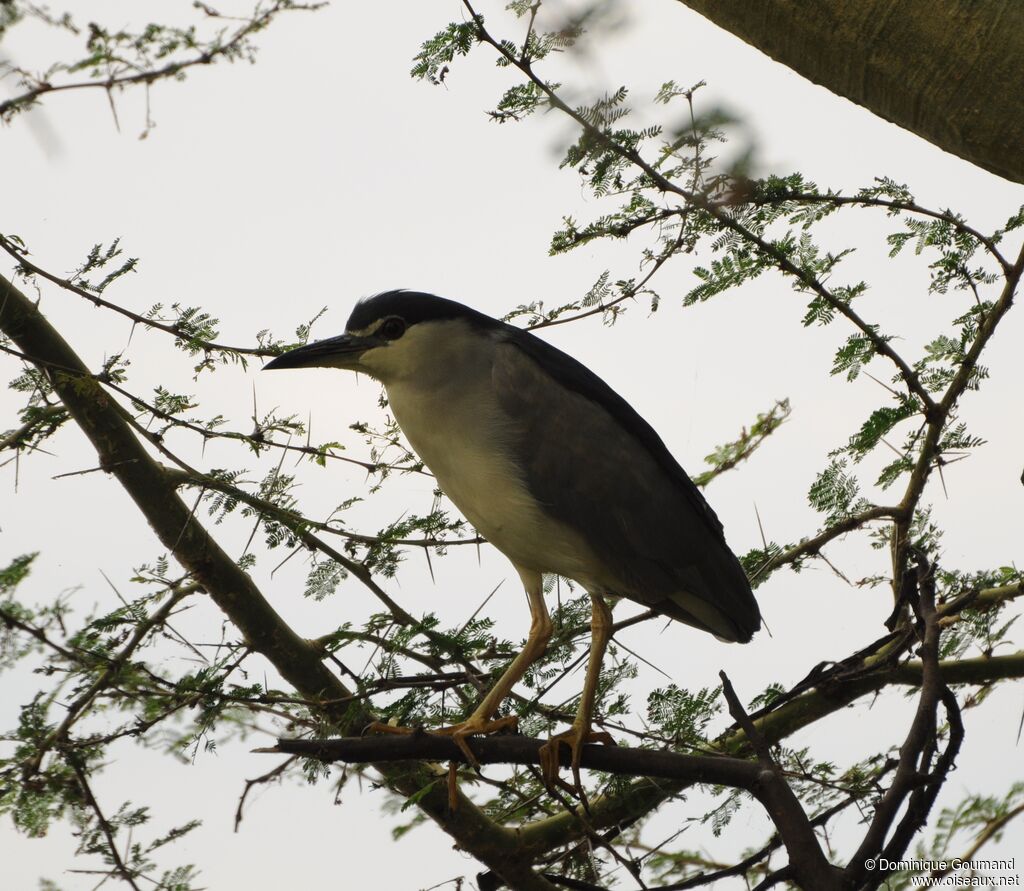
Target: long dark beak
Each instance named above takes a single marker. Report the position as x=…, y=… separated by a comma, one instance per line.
x=335, y=352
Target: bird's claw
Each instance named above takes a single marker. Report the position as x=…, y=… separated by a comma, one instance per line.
x=382, y=727
x=459, y=733
x=575, y=738
x=475, y=727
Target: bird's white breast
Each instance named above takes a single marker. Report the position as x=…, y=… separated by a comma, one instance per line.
x=455, y=425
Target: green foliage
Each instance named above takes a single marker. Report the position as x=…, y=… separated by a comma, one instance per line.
x=46, y=778
x=881, y=421
x=324, y=578
x=759, y=563
x=433, y=59
x=730, y=271
x=682, y=716
x=518, y=102
x=726, y=457
x=982, y=630
x=99, y=258
x=834, y=491
x=1014, y=222
x=638, y=212
x=14, y=573
x=955, y=246
x=853, y=355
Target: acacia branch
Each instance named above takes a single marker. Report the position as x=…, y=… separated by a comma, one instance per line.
x=956, y=388
x=66, y=284
x=207, y=57
x=806, y=859
x=987, y=834
x=120, y=868
x=893, y=206
x=297, y=522
x=936, y=421
x=812, y=546
x=912, y=766
x=732, y=454
x=719, y=213
x=662, y=258
x=507, y=749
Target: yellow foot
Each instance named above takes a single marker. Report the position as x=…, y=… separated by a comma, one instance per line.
x=459, y=733
x=574, y=739
x=476, y=727
x=381, y=727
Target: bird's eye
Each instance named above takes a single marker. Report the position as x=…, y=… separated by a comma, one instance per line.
x=392, y=329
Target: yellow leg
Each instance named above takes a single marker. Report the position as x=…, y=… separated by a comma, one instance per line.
x=580, y=732
x=482, y=720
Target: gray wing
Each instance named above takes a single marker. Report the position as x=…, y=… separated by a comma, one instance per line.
x=594, y=465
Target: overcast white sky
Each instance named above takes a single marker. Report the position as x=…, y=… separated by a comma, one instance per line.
x=325, y=173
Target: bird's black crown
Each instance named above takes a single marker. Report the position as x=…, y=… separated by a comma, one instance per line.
x=413, y=307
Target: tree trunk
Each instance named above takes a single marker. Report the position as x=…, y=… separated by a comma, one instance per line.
x=951, y=71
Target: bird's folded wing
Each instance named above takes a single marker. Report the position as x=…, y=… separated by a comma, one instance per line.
x=594, y=464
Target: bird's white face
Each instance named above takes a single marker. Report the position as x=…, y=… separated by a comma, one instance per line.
x=412, y=354
x=387, y=349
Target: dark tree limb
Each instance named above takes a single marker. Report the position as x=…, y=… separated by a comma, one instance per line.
x=948, y=73
x=500, y=749
x=806, y=859
x=914, y=772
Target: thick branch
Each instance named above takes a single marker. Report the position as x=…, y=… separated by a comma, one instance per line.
x=422, y=746
x=948, y=72
x=806, y=709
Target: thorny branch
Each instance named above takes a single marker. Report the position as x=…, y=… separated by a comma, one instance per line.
x=109, y=673
x=720, y=213
x=120, y=868
x=217, y=50
x=807, y=861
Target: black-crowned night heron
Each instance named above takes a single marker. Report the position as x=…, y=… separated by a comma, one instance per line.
x=551, y=466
